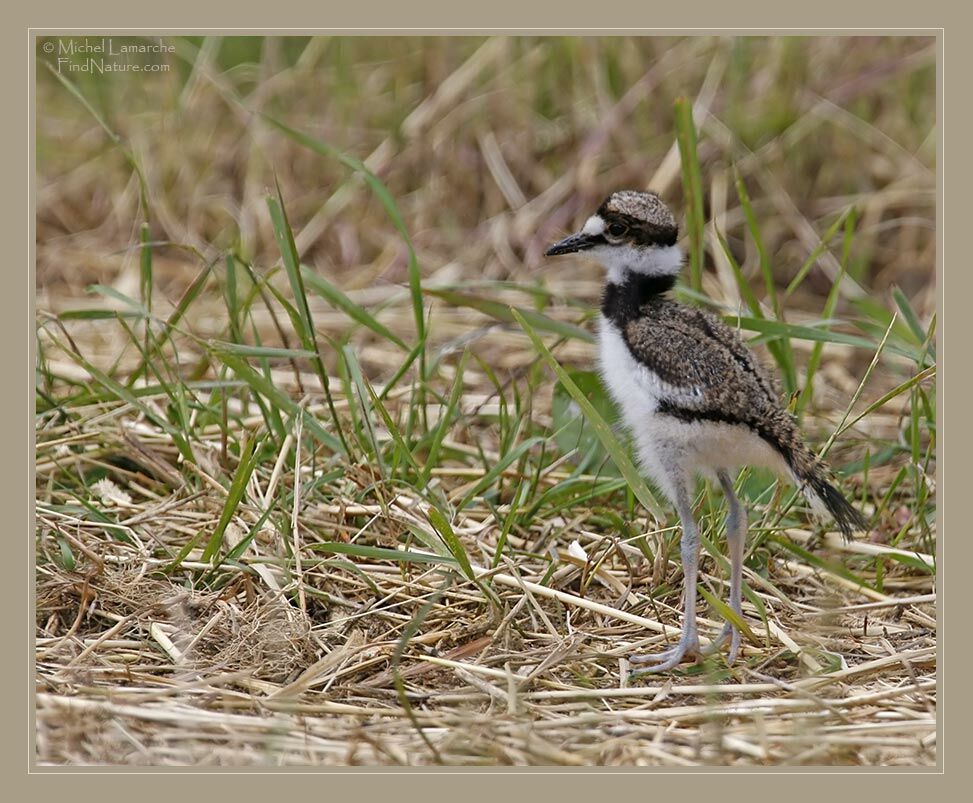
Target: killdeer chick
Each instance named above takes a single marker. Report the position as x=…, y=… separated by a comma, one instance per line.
x=693, y=395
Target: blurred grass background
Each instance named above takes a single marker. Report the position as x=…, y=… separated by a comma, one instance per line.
x=418, y=180
x=464, y=131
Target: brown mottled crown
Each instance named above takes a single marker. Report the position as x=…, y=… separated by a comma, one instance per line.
x=651, y=221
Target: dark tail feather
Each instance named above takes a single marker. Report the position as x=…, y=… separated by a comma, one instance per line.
x=821, y=493
x=811, y=475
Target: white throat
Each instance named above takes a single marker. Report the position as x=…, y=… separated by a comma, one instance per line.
x=619, y=260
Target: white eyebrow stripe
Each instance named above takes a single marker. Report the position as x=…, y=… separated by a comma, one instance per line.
x=593, y=225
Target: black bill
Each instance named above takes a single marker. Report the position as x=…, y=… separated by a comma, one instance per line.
x=576, y=242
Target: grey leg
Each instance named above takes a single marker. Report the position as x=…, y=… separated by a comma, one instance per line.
x=689, y=640
x=736, y=537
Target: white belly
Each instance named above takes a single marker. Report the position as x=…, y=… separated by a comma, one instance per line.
x=668, y=448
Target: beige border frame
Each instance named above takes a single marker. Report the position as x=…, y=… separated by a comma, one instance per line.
x=19, y=315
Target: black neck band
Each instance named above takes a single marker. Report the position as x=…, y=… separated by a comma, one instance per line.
x=621, y=303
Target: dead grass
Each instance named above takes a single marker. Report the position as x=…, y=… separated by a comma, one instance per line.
x=132, y=669
x=278, y=650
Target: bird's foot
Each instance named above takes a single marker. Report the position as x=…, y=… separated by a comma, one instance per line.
x=729, y=631
x=688, y=647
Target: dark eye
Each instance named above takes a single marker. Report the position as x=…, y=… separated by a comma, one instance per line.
x=617, y=229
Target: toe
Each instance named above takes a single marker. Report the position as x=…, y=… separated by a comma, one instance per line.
x=652, y=658
x=671, y=663
x=715, y=644
x=734, y=647
x=688, y=646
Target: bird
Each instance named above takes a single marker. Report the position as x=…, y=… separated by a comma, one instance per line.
x=694, y=397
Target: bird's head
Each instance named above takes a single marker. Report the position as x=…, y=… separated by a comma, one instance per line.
x=632, y=231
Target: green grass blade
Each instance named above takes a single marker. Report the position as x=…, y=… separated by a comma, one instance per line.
x=364, y=399
x=119, y=391
x=746, y=291
x=818, y=348
x=272, y=352
x=453, y=544
x=304, y=324
x=192, y=293
x=502, y=312
x=810, y=558
x=380, y=553
x=388, y=203
x=111, y=292
x=419, y=348
x=393, y=430
x=263, y=386
x=235, y=493
x=338, y=299
x=445, y=421
x=232, y=295
x=692, y=188
x=754, y=228
x=750, y=299
x=508, y=458
x=442, y=526
x=350, y=566
x=909, y=315
x=922, y=376
x=97, y=314
x=145, y=268
x=237, y=552
x=803, y=332
x=785, y=356
x=728, y=614
x=820, y=248
x=292, y=267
